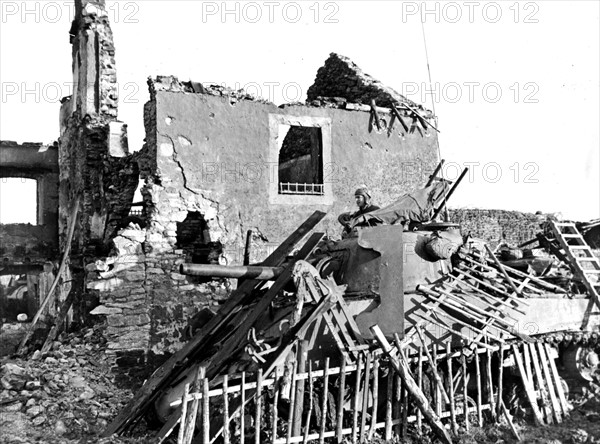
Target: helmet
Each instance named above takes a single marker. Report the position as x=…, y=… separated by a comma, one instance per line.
x=362, y=191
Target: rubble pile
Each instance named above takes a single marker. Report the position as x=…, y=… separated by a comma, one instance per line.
x=131, y=284
x=173, y=84
x=64, y=396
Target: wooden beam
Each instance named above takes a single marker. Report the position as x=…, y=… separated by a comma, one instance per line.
x=230, y=345
x=436, y=376
x=539, y=376
x=557, y=383
x=175, y=365
x=375, y=114
x=63, y=264
x=61, y=316
x=451, y=389
x=527, y=383
x=340, y=407
x=503, y=271
x=509, y=420
x=396, y=114
x=548, y=378
x=401, y=367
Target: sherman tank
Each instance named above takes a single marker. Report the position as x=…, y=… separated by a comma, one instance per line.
x=416, y=279
x=388, y=271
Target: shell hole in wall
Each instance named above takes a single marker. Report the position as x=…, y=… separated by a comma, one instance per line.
x=193, y=237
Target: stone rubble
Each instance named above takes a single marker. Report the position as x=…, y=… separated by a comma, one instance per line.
x=67, y=395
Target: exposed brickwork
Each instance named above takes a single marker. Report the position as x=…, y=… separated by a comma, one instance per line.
x=341, y=78
x=146, y=301
x=94, y=162
x=94, y=59
x=495, y=226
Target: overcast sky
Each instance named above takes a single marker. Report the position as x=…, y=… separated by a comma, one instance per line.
x=517, y=84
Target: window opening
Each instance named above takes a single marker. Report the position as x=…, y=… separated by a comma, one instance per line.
x=18, y=200
x=301, y=160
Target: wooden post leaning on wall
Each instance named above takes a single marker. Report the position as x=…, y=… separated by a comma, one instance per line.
x=63, y=264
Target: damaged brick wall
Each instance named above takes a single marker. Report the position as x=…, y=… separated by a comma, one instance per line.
x=341, y=77
x=209, y=151
x=496, y=226
x=147, y=303
x=210, y=168
x=93, y=54
x=95, y=163
x=107, y=183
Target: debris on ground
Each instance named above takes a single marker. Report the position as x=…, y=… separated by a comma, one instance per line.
x=66, y=395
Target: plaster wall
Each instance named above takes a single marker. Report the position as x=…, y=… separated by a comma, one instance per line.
x=222, y=155
x=216, y=157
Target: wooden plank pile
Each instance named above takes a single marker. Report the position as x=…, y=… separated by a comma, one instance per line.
x=378, y=396
x=379, y=388
x=328, y=305
x=231, y=314
x=541, y=381
x=230, y=330
x=502, y=294
x=535, y=363
x=488, y=325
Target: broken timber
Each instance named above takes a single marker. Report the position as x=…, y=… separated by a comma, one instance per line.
x=175, y=365
x=289, y=340
x=230, y=345
x=421, y=401
x=61, y=269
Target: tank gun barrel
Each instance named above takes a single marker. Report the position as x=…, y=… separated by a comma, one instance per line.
x=237, y=272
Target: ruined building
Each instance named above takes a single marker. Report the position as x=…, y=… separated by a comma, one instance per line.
x=215, y=165
x=228, y=179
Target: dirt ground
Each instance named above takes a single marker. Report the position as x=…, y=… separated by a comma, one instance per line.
x=69, y=396
x=65, y=396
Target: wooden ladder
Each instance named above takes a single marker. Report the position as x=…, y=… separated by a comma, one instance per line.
x=584, y=264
